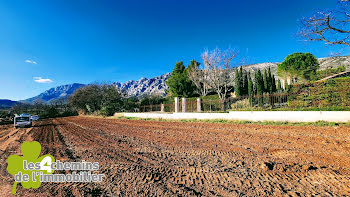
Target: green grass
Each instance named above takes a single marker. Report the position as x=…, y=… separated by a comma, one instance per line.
x=278, y=123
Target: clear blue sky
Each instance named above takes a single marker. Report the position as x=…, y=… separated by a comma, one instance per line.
x=44, y=44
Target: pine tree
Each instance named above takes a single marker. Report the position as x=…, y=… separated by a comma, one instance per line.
x=179, y=84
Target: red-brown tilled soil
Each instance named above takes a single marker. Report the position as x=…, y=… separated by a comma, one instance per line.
x=150, y=158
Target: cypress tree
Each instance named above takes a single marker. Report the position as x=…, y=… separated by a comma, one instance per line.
x=250, y=88
x=256, y=82
x=245, y=82
x=273, y=84
x=241, y=81
x=259, y=81
x=270, y=82
x=237, y=83
x=266, y=81
x=255, y=87
x=250, y=85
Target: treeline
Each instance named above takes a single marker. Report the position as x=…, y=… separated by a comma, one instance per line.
x=106, y=100
x=43, y=110
x=259, y=83
x=93, y=99
x=222, y=73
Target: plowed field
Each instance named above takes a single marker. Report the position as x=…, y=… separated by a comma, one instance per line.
x=150, y=158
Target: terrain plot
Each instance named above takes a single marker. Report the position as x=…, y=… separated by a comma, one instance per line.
x=148, y=158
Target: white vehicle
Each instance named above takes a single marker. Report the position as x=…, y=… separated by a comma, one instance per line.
x=24, y=120
x=35, y=118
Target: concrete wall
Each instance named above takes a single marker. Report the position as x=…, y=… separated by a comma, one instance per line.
x=291, y=116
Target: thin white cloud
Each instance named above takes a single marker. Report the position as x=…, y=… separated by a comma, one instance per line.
x=41, y=80
x=31, y=62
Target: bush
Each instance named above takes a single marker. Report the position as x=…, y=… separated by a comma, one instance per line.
x=328, y=72
x=241, y=104
x=103, y=99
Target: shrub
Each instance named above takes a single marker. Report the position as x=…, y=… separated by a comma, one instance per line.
x=241, y=104
x=104, y=99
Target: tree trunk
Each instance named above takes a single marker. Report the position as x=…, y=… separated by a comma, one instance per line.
x=223, y=102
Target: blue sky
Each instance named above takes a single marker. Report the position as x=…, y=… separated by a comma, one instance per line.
x=44, y=44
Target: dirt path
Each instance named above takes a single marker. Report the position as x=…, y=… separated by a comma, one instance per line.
x=147, y=158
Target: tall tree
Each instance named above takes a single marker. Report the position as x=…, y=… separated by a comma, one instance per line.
x=273, y=87
x=270, y=82
x=199, y=78
x=238, y=84
x=179, y=84
x=266, y=81
x=220, y=66
x=259, y=83
x=298, y=66
x=112, y=100
x=250, y=88
x=92, y=98
x=245, y=82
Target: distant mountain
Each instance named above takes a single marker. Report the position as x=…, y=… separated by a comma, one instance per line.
x=141, y=87
x=5, y=103
x=157, y=86
x=56, y=93
x=144, y=86
x=334, y=62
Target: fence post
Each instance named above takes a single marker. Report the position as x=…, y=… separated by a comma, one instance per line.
x=199, y=106
x=184, y=105
x=162, y=107
x=176, y=103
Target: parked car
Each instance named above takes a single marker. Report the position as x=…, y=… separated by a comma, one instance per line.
x=35, y=118
x=24, y=120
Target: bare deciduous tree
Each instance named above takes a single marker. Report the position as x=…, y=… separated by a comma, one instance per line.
x=199, y=77
x=219, y=65
x=329, y=26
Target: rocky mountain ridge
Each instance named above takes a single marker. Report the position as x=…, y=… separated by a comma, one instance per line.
x=157, y=86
